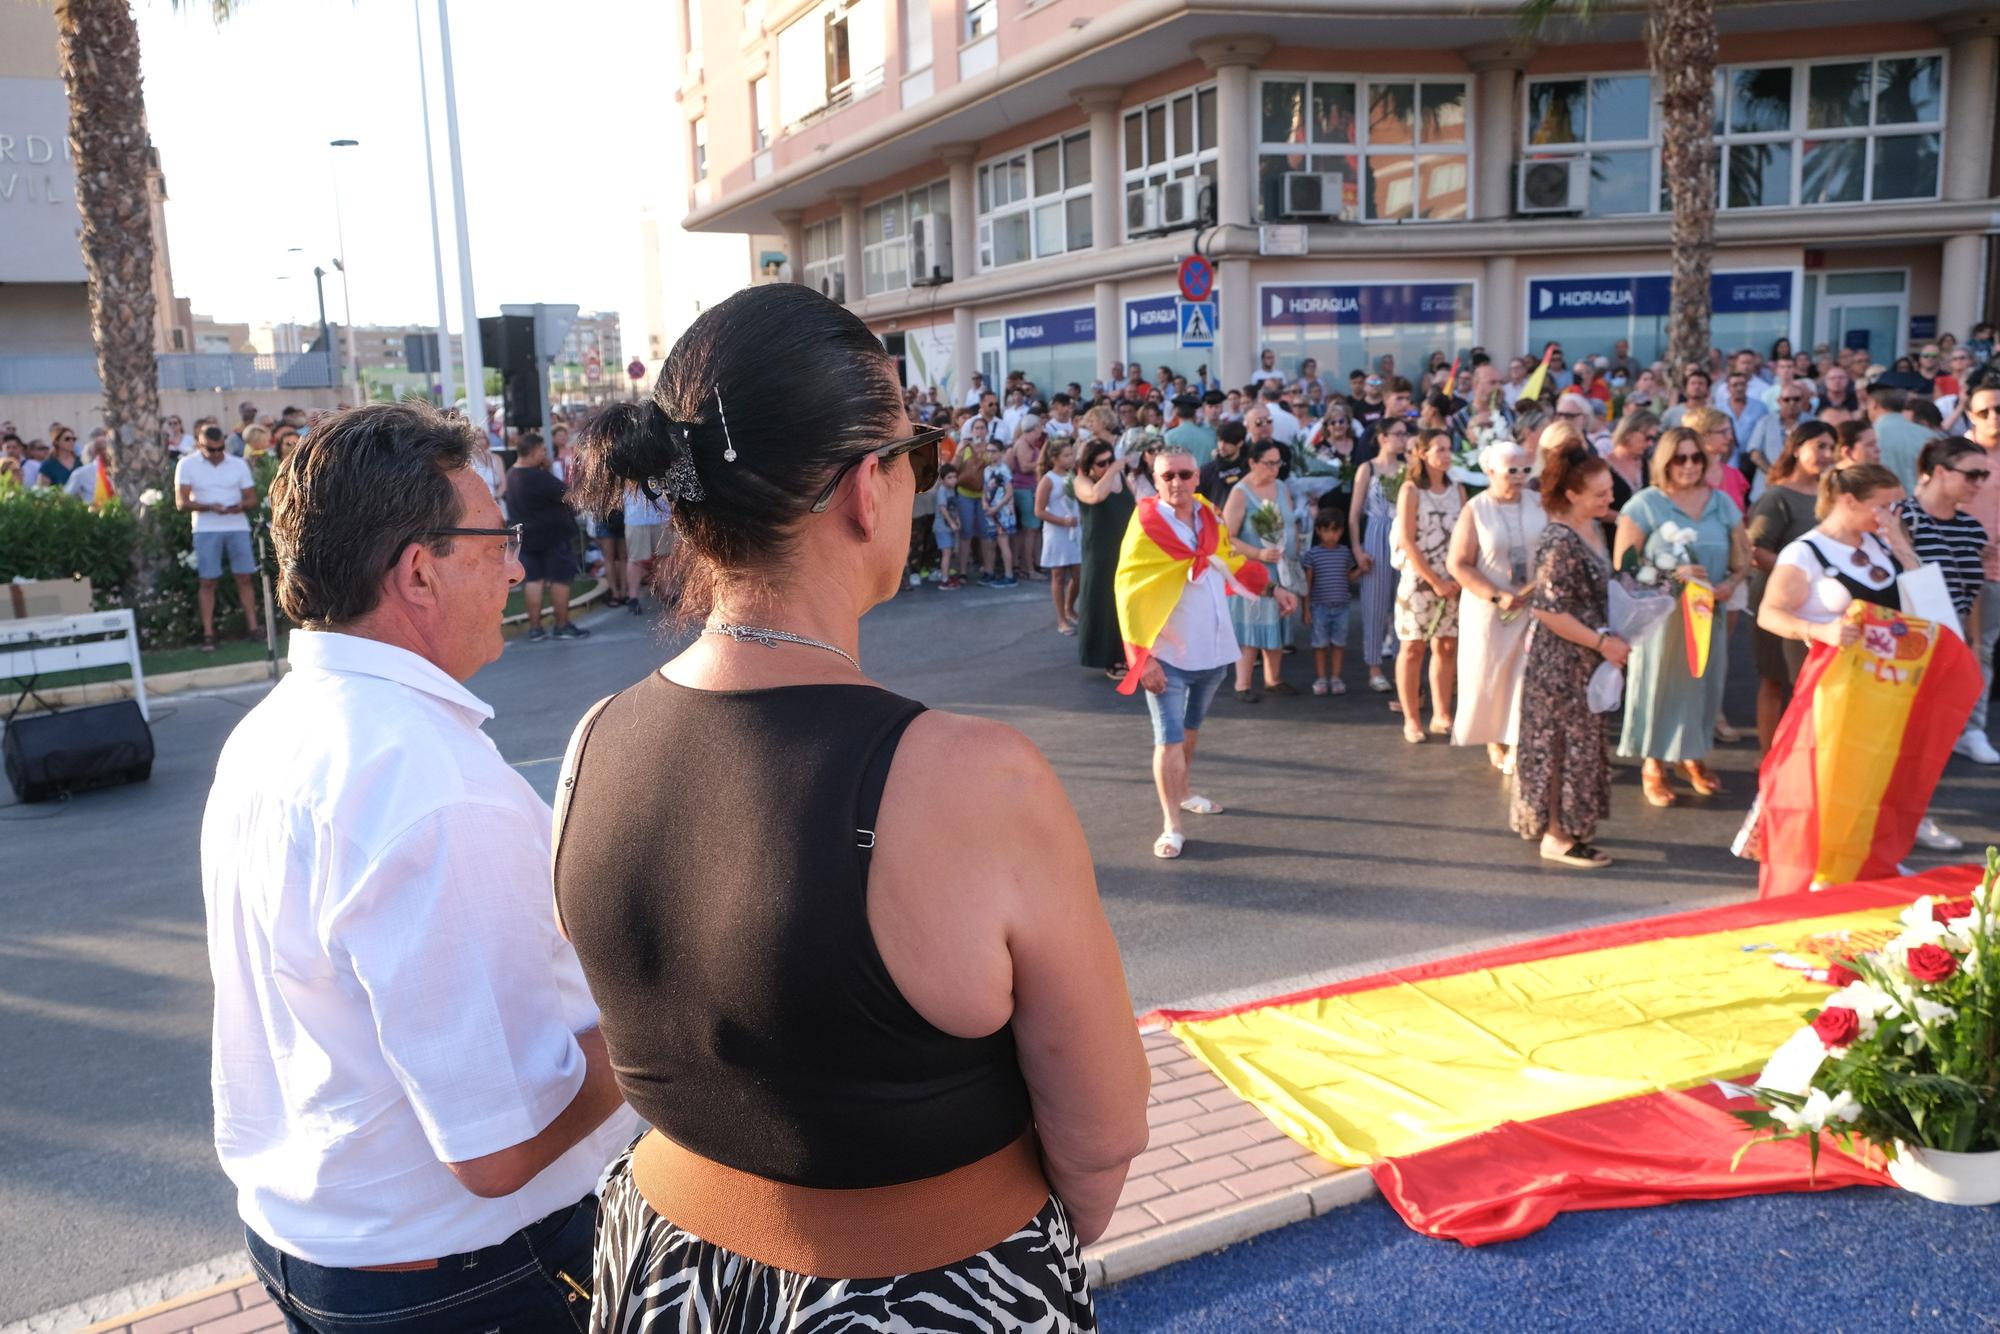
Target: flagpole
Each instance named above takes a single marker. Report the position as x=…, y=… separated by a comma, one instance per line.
x=475, y=370
x=445, y=395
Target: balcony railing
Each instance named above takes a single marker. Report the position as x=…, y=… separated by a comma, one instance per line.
x=178, y=370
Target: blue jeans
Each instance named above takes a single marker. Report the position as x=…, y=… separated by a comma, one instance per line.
x=1329, y=624
x=512, y=1286
x=1179, y=708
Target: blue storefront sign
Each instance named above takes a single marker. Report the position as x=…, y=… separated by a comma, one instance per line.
x=1154, y=315
x=1368, y=303
x=1054, y=329
x=1650, y=297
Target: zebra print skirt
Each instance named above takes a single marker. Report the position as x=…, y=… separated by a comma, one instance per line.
x=651, y=1277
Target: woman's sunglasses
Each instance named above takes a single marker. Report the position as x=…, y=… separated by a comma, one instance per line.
x=1973, y=475
x=1861, y=561
x=1683, y=459
x=922, y=449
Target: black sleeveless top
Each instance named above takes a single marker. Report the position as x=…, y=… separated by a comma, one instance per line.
x=713, y=875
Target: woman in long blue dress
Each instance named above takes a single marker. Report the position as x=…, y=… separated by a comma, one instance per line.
x=1670, y=712
x=1259, y=625
x=1372, y=522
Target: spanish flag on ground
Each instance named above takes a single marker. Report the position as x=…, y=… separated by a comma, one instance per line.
x=1858, y=754
x=1155, y=566
x=1490, y=1092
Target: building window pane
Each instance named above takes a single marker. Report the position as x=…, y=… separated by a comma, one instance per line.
x=1048, y=170
x=1204, y=106
x=1010, y=239
x=871, y=224
x=1283, y=117
x=1017, y=179
x=1333, y=113
x=1759, y=175
x=1156, y=135
x=1906, y=166
x=1271, y=169
x=1135, y=143
x=1556, y=111
x=1621, y=108
x=1836, y=97
x=1391, y=192
x=1621, y=182
x=985, y=199
x=1183, y=108
x=1391, y=114
x=1443, y=118
x=871, y=272
x=1077, y=218
x=1760, y=100
x=892, y=219
x=1908, y=90
x=760, y=111
x=1832, y=171
x=1443, y=178
x=1048, y=229
x=1076, y=161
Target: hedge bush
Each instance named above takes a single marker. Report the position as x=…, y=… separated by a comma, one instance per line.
x=45, y=534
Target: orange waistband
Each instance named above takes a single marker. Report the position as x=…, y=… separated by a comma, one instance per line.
x=872, y=1232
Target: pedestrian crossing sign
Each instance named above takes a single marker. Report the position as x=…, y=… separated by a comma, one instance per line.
x=1197, y=323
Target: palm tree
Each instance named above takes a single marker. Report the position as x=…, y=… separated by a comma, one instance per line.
x=1681, y=47
x=99, y=44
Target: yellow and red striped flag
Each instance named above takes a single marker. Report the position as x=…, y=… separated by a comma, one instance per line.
x=1539, y=376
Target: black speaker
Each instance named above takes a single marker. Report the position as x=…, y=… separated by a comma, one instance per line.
x=52, y=754
x=507, y=343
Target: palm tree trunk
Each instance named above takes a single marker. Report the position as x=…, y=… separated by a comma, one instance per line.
x=108, y=140
x=1681, y=39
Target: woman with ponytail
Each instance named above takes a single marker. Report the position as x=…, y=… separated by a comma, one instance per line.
x=885, y=1079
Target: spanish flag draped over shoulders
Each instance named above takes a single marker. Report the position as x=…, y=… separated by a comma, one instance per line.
x=1155, y=566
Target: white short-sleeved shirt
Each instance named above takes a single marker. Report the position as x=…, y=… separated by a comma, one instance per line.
x=391, y=990
x=1799, y=554
x=216, y=484
x=1197, y=636
x=641, y=512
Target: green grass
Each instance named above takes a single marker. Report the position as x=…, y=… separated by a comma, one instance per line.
x=517, y=601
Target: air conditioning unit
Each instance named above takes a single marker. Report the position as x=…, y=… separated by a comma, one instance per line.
x=1142, y=211
x=930, y=250
x=1553, y=185
x=1180, y=201
x=833, y=286
x=1314, y=194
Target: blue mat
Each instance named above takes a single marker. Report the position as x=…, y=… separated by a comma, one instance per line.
x=1843, y=1260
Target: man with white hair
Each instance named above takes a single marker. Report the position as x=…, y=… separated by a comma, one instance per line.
x=82, y=483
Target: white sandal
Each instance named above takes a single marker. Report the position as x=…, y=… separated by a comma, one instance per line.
x=1168, y=845
x=1201, y=805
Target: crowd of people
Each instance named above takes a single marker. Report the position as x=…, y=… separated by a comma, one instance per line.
x=1453, y=523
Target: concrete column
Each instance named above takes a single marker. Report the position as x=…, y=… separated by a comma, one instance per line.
x=964, y=351
x=1496, y=69
x=850, y=241
x=1110, y=326
x=1970, y=75
x=793, y=222
x=1232, y=59
x=964, y=220
x=1959, y=284
x=1107, y=192
x=1496, y=318
x=1236, y=341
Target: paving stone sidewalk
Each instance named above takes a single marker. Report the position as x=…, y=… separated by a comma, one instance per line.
x=1214, y=1172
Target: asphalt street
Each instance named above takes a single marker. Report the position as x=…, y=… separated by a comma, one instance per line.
x=1344, y=849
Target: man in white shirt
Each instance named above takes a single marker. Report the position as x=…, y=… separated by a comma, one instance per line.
x=1285, y=427
x=1267, y=371
x=82, y=483
x=411, y=1094
x=1176, y=567
x=977, y=390
x=216, y=487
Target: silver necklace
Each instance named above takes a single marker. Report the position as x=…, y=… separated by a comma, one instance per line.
x=757, y=634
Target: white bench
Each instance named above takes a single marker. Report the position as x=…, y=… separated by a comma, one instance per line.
x=40, y=645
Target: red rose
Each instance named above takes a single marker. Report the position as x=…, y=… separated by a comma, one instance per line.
x=1950, y=910
x=1840, y=975
x=1931, y=963
x=1837, y=1026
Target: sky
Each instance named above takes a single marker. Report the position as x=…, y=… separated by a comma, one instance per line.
x=567, y=126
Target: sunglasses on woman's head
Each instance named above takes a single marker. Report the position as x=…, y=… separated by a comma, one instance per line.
x=922, y=449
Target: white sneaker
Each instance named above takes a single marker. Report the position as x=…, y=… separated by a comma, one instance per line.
x=1975, y=747
x=1320, y=686
x=1934, y=838
x=1336, y=686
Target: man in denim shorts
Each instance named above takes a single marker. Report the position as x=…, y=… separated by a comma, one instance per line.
x=216, y=487
x=1175, y=570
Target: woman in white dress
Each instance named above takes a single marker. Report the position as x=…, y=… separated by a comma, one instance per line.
x=1062, y=538
x=1492, y=557
x=1427, y=510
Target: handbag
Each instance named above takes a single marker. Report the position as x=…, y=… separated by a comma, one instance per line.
x=1923, y=594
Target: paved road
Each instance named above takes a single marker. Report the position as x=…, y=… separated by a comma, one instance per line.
x=1344, y=848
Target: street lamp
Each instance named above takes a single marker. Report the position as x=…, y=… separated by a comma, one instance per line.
x=340, y=263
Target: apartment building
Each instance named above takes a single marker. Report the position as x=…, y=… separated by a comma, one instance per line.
x=1010, y=184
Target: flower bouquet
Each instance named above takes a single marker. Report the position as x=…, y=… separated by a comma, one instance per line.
x=1268, y=522
x=1905, y=1055
x=1676, y=539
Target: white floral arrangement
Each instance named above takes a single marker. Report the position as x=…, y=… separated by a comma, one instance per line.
x=1678, y=539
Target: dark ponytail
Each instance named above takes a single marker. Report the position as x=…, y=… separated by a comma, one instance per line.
x=788, y=382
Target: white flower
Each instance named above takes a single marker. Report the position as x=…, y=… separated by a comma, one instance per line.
x=150, y=497
x=1932, y=1013
x=1667, y=561
x=1818, y=1110
x=1649, y=575
x=188, y=560
x=1868, y=1001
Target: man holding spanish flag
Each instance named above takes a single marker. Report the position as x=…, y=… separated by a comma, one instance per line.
x=1175, y=569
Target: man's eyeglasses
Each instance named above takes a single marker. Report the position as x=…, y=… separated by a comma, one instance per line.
x=922, y=449
x=512, y=532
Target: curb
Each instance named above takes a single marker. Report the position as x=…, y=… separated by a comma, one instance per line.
x=1225, y=1227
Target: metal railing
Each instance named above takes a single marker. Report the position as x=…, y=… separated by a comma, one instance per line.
x=178, y=370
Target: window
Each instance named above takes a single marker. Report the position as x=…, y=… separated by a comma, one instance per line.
x=691, y=25
x=916, y=35
x=1609, y=120
x=885, y=235
x=982, y=18
x=699, y=160
x=1399, y=145
x=828, y=56
x=760, y=111
x=753, y=16
x=1167, y=140
x=1035, y=203
x=826, y=265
